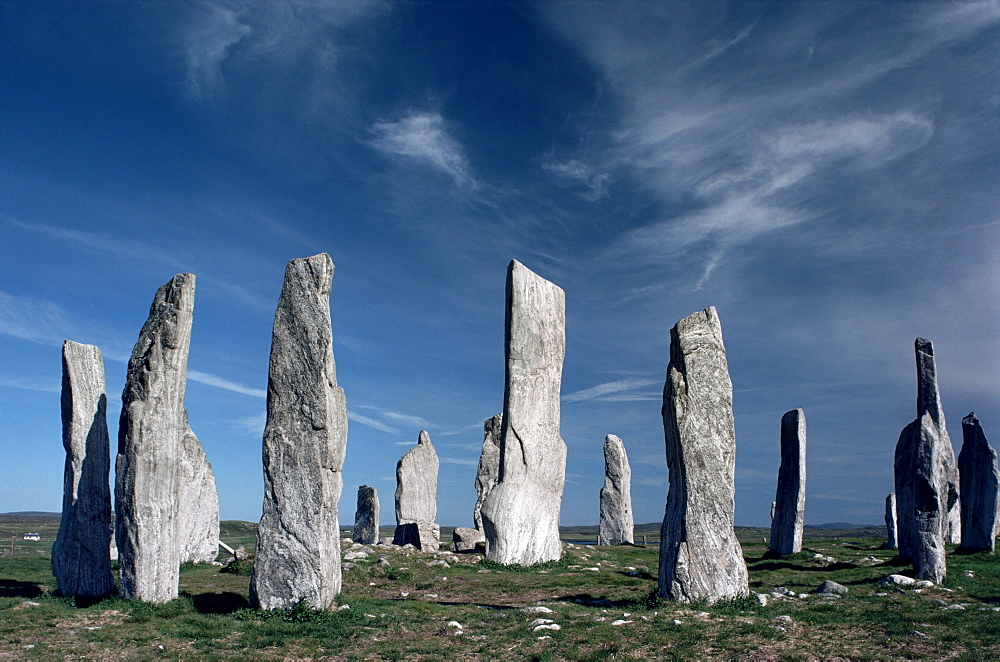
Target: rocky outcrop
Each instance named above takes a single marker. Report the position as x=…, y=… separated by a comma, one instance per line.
x=197, y=502
x=489, y=465
x=366, y=517
x=790, y=498
x=521, y=513
x=616, y=524
x=890, y=521
x=977, y=464
x=81, y=560
x=305, y=439
x=700, y=558
x=466, y=539
x=151, y=431
x=416, y=483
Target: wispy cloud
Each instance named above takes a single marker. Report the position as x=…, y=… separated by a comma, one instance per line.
x=594, y=179
x=371, y=422
x=252, y=424
x=28, y=384
x=225, y=384
x=602, y=391
x=423, y=138
x=468, y=462
x=34, y=319
x=208, y=45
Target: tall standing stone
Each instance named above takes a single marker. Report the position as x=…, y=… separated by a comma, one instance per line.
x=305, y=440
x=366, y=516
x=700, y=557
x=81, y=560
x=150, y=447
x=489, y=466
x=977, y=464
x=521, y=514
x=790, y=498
x=926, y=478
x=890, y=521
x=197, y=503
x=616, y=525
x=416, y=496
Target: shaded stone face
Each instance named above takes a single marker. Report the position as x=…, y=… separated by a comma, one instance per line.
x=305, y=440
x=424, y=535
x=150, y=447
x=366, y=517
x=416, y=483
x=790, y=498
x=488, y=471
x=890, y=521
x=616, y=525
x=521, y=513
x=81, y=560
x=977, y=465
x=700, y=558
x=197, y=502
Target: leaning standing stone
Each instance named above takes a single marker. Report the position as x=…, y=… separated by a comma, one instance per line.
x=489, y=466
x=616, y=524
x=890, y=521
x=150, y=438
x=81, y=560
x=521, y=514
x=700, y=558
x=790, y=499
x=366, y=516
x=305, y=439
x=977, y=464
x=197, y=502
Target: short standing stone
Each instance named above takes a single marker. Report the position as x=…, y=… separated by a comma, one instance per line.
x=466, y=539
x=977, y=464
x=416, y=496
x=197, y=503
x=521, y=514
x=305, y=439
x=489, y=465
x=700, y=557
x=81, y=560
x=424, y=535
x=366, y=516
x=616, y=523
x=790, y=498
x=890, y=521
x=151, y=447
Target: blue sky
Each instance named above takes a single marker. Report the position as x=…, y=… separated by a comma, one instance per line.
x=825, y=174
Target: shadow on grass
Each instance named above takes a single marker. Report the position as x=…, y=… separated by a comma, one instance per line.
x=11, y=588
x=636, y=574
x=218, y=603
x=588, y=600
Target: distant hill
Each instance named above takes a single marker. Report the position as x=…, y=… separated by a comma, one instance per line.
x=841, y=526
x=33, y=514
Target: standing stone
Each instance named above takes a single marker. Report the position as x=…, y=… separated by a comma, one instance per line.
x=366, y=516
x=521, y=514
x=305, y=440
x=790, y=498
x=416, y=496
x=489, y=466
x=890, y=521
x=81, y=560
x=700, y=557
x=198, y=502
x=977, y=464
x=150, y=447
x=926, y=478
x=616, y=524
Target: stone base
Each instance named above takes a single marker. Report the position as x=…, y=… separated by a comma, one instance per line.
x=466, y=539
x=425, y=536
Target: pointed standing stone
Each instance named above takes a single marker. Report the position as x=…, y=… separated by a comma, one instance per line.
x=790, y=499
x=616, y=524
x=305, y=440
x=977, y=464
x=366, y=517
x=198, y=502
x=416, y=496
x=890, y=521
x=150, y=447
x=81, y=560
x=521, y=514
x=700, y=557
x=489, y=466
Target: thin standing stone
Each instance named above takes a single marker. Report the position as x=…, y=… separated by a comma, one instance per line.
x=616, y=525
x=790, y=499
x=890, y=521
x=488, y=470
x=366, y=516
x=197, y=503
x=977, y=464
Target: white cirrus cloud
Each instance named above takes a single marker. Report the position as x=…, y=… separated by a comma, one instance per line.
x=371, y=422
x=607, y=389
x=423, y=138
x=218, y=382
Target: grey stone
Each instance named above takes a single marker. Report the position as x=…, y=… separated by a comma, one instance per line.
x=366, y=517
x=521, y=514
x=197, y=503
x=305, y=440
x=416, y=483
x=790, y=498
x=890, y=521
x=831, y=587
x=700, y=557
x=150, y=447
x=489, y=465
x=466, y=539
x=424, y=535
x=977, y=464
x=616, y=524
x=81, y=560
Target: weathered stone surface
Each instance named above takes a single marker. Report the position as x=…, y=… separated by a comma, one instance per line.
x=977, y=464
x=197, y=502
x=424, y=535
x=366, y=516
x=790, y=498
x=831, y=587
x=81, y=560
x=616, y=524
x=416, y=483
x=700, y=558
x=150, y=447
x=489, y=465
x=466, y=539
x=890, y=521
x=521, y=514
x=305, y=440
x=926, y=478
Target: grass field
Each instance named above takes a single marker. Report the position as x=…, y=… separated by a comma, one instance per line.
x=407, y=605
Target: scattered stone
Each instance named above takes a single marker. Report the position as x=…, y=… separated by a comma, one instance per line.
x=761, y=599
x=430, y=595
x=790, y=499
x=924, y=583
x=616, y=523
x=620, y=621
x=784, y=618
x=547, y=626
x=954, y=608
x=466, y=539
x=305, y=439
x=455, y=624
x=540, y=621
x=898, y=580
x=81, y=554
x=890, y=521
x=918, y=633
x=521, y=513
x=438, y=563
x=700, y=557
x=831, y=587
x=416, y=496
x=355, y=554
x=385, y=541
x=980, y=479
x=366, y=516
x=488, y=472
x=537, y=610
